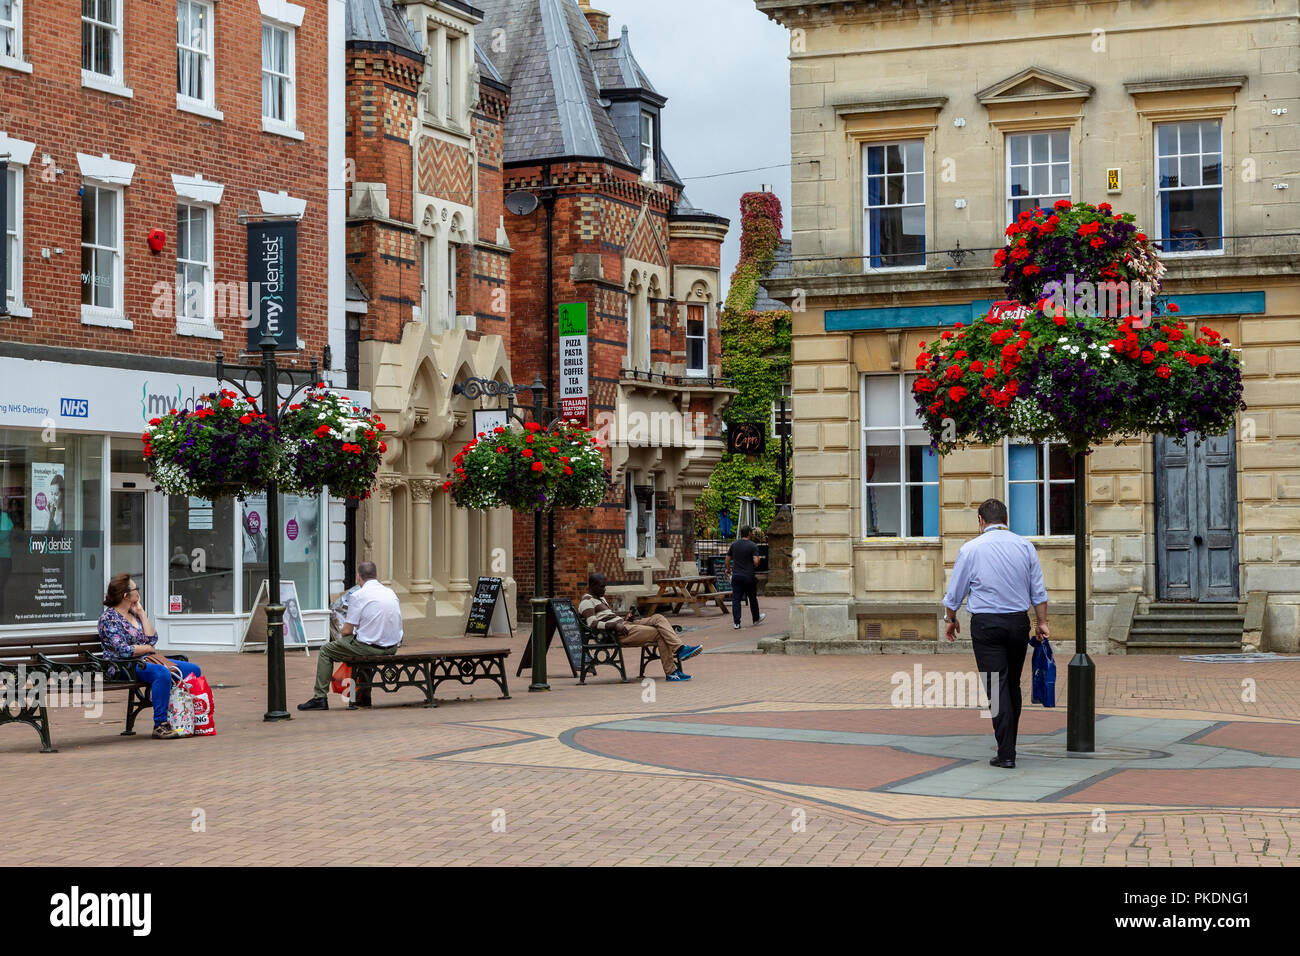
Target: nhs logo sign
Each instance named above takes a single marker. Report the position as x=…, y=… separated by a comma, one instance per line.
x=74, y=407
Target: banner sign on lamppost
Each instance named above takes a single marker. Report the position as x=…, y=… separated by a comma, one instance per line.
x=573, y=362
x=273, y=283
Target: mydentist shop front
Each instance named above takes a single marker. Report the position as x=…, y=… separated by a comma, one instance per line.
x=76, y=507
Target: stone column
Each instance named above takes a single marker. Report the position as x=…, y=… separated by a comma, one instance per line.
x=421, y=512
x=457, y=548
x=383, y=531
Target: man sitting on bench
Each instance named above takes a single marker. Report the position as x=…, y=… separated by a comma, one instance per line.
x=373, y=627
x=600, y=617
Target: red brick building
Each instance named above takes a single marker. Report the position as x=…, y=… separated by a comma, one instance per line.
x=429, y=271
x=613, y=232
x=117, y=121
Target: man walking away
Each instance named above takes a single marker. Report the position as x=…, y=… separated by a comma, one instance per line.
x=599, y=616
x=373, y=627
x=742, y=564
x=1004, y=578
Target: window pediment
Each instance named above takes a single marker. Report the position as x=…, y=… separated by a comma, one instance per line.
x=1034, y=84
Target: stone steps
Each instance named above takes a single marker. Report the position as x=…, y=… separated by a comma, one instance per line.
x=1171, y=629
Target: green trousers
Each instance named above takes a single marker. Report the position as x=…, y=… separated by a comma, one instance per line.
x=334, y=651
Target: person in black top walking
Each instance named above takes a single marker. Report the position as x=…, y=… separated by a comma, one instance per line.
x=742, y=562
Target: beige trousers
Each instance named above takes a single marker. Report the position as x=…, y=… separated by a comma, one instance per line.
x=655, y=628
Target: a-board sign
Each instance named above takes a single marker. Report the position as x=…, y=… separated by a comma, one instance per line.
x=295, y=633
x=487, y=612
x=561, y=616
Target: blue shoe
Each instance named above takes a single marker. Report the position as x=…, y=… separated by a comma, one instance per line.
x=687, y=651
x=678, y=676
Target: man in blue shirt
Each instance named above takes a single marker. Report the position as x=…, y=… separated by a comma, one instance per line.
x=1001, y=572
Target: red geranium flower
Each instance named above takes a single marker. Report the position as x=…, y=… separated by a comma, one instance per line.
x=1164, y=371
x=567, y=470
x=1032, y=269
x=957, y=393
x=538, y=466
x=527, y=453
x=1061, y=204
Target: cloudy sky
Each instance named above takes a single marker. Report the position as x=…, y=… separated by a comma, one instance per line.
x=724, y=68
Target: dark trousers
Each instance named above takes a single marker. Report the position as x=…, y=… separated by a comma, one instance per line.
x=744, y=587
x=1001, y=641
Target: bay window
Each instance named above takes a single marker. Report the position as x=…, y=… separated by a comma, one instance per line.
x=894, y=204
x=1189, y=176
x=1040, y=489
x=900, y=471
x=1038, y=170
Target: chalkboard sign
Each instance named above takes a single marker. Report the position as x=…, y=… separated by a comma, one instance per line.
x=487, y=612
x=561, y=616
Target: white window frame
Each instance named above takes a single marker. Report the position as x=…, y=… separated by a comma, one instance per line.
x=1029, y=165
x=784, y=390
x=14, y=60
x=871, y=253
x=1162, y=226
x=288, y=124
x=422, y=267
x=113, y=316
x=902, y=484
x=450, y=259
x=1047, y=481
x=114, y=82
x=647, y=336
x=204, y=105
x=702, y=338
x=649, y=164
x=14, y=298
x=185, y=323
x=447, y=69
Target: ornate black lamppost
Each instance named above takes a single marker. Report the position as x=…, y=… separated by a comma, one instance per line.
x=474, y=389
x=264, y=384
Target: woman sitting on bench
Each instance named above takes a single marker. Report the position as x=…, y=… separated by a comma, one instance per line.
x=127, y=634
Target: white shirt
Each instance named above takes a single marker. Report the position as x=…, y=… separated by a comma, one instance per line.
x=376, y=615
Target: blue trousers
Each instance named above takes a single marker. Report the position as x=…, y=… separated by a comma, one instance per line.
x=159, y=679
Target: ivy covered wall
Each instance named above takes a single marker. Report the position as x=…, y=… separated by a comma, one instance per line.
x=756, y=357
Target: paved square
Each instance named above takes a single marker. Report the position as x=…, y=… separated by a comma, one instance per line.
x=757, y=761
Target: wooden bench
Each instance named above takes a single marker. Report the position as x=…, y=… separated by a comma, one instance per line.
x=674, y=603
x=69, y=662
x=603, y=647
x=426, y=670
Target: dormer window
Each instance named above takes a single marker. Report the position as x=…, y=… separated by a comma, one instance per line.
x=648, y=171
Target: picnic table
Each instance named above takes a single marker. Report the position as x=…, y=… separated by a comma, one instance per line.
x=675, y=593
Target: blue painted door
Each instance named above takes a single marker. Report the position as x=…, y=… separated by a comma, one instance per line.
x=1196, y=519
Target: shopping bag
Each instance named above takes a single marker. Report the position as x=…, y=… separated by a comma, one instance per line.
x=204, y=723
x=180, y=707
x=1044, y=671
x=341, y=682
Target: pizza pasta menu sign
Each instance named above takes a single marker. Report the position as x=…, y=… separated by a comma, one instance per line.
x=573, y=362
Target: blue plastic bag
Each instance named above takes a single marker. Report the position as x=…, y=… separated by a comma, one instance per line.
x=1044, y=669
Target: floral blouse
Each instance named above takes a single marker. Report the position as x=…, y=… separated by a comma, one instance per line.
x=118, y=635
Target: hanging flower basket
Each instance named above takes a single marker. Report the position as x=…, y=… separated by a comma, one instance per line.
x=327, y=442
x=222, y=448
x=530, y=470
x=1076, y=254
x=1041, y=368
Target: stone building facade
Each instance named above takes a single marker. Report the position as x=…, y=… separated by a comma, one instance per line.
x=611, y=230
x=917, y=132
x=429, y=272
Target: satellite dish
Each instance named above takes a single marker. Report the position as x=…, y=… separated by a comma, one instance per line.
x=521, y=202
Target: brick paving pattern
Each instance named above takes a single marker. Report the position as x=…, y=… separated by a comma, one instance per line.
x=600, y=775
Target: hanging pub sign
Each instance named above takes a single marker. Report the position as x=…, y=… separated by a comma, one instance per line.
x=746, y=438
x=573, y=362
x=273, y=283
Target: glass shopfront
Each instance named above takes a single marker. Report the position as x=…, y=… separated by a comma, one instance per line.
x=51, y=527
x=77, y=507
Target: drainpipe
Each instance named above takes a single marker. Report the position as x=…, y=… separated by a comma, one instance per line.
x=548, y=200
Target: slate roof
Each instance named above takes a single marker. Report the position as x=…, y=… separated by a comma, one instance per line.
x=378, y=22
x=783, y=269
x=617, y=68
x=554, y=95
